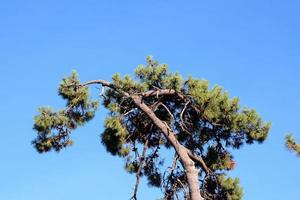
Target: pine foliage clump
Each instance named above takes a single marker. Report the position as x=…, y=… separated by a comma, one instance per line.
x=54, y=127
x=291, y=144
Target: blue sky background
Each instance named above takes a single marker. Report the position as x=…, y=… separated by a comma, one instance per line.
x=251, y=48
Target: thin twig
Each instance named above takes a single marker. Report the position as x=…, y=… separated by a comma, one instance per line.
x=183, y=188
x=138, y=173
x=130, y=111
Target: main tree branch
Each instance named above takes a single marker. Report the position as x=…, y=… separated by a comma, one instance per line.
x=183, y=152
x=187, y=162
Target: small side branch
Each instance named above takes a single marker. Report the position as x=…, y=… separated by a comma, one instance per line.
x=183, y=188
x=182, y=125
x=168, y=195
x=138, y=173
x=199, y=160
x=167, y=109
x=128, y=112
x=175, y=159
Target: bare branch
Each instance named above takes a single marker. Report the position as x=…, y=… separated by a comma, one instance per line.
x=149, y=93
x=172, y=169
x=175, y=159
x=101, y=82
x=130, y=111
x=158, y=92
x=199, y=160
x=138, y=173
x=163, y=105
x=183, y=188
x=182, y=125
x=105, y=83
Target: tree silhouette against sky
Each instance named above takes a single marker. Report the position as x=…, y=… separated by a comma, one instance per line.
x=154, y=112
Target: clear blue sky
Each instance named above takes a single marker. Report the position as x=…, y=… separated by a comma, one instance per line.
x=251, y=48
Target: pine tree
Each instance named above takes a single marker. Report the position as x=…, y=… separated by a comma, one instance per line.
x=158, y=109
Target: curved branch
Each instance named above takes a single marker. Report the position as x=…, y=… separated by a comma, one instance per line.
x=101, y=82
x=163, y=105
x=183, y=188
x=182, y=125
x=105, y=83
x=199, y=160
x=145, y=94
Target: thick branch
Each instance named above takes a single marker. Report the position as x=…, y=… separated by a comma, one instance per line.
x=170, y=135
x=146, y=94
x=101, y=82
x=158, y=92
x=187, y=162
x=105, y=83
x=191, y=172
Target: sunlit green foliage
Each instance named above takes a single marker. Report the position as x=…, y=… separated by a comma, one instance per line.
x=230, y=188
x=54, y=127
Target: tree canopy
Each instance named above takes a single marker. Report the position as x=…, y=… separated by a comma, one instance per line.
x=200, y=125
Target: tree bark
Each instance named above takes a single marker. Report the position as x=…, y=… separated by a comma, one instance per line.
x=186, y=161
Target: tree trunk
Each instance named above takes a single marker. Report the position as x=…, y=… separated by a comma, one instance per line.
x=192, y=179
x=186, y=161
